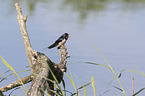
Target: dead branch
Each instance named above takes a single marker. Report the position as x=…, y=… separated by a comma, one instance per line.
x=17, y=83
x=22, y=22
x=41, y=66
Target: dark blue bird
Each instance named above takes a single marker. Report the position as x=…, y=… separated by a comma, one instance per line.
x=60, y=41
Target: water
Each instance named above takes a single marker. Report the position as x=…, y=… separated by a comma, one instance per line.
x=116, y=28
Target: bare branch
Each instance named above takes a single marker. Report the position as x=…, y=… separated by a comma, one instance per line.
x=40, y=65
x=22, y=23
x=38, y=84
x=17, y=83
x=64, y=55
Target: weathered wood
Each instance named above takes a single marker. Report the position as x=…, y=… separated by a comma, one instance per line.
x=59, y=69
x=22, y=22
x=38, y=61
x=17, y=83
x=41, y=66
x=38, y=85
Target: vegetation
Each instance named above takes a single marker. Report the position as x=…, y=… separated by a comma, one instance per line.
x=83, y=10
x=61, y=91
x=82, y=7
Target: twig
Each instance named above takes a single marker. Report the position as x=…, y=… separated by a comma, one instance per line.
x=133, y=85
x=17, y=83
x=59, y=69
x=22, y=22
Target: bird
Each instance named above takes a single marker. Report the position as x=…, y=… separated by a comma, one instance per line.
x=60, y=41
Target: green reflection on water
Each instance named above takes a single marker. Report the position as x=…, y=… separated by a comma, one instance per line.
x=82, y=7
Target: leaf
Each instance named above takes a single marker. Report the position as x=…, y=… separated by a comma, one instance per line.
x=111, y=70
x=63, y=83
x=85, y=92
x=84, y=86
x=4, y=73
x=13, y=91
x=2, y=79
x=120, y=75
x=104, y=92
x=138, y=91
x=93, y=85
x=71, y=80
x=141, y=73
x=14, y=73
x=118, y=88
x=97, y=64
x=57, y=83
x=81, y=88
x=133, y=71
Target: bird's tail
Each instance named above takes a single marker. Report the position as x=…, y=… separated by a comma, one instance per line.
x=44, y=48
x=53, y=45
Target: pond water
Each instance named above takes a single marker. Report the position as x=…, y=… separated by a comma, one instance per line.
x=116, y=28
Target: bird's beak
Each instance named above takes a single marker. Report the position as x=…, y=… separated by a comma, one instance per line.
x=67, y=36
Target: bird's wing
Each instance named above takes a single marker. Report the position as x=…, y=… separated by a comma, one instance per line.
x=53, y=45
x=56, y=42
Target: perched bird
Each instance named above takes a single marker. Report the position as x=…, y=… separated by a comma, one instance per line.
x=60, y=41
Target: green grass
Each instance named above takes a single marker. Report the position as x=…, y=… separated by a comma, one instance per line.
x=93, y=85
x=63, y=91
x=14, y=74
x=112, y=71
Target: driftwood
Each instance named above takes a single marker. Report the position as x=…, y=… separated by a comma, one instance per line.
x=44, y=71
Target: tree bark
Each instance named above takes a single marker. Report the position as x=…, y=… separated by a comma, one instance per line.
x=17, y=83
x=44, y=71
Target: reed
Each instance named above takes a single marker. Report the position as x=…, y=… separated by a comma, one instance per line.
x=14, y=74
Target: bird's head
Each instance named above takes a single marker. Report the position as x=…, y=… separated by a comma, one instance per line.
x=66, y=35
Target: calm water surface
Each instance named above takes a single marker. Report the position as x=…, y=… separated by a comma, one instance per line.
x=116, y=28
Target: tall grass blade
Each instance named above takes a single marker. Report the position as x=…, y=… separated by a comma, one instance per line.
x=63, y=83
x=4, y=73
x=85, y=92
x=56, y=81
x=49, y=94
x=120, y=74
x=79, y=89
x=13, y=91
x=97, y=64
x=111, y=70
x=93, y=85
x=104, y=92
x=138, y=92
x=84, y=86
x=117, y=88
x=141, y=73
x=112, y=80
x=68, y=92
x=71, y=80
x=14, y=73
x=2, y=79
